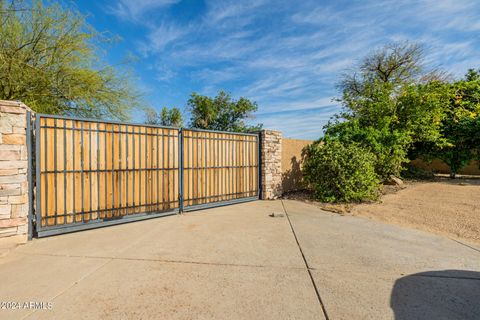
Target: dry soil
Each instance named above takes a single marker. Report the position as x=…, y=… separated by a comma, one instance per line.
x=448, y=207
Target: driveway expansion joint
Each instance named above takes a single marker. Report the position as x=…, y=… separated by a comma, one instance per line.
x=319, y=298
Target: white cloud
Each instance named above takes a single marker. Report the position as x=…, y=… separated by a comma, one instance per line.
x=133, y=9
x=161, y=36
x=289, y=57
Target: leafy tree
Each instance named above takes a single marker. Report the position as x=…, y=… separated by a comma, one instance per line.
x=461, y=125
x=339, y=172
x=49, y=61
x=221, y=112
x=166, y=117
x=390, y=104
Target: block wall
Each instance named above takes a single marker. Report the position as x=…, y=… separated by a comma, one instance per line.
x=271, y=164
x=13, y=170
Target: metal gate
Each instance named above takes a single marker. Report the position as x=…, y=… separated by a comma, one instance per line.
x=93, y=173
x=218, y=168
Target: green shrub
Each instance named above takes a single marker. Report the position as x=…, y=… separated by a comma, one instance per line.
x=389, y=146
x=340, y=173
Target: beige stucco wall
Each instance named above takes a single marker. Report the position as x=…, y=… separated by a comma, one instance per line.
x=291, y=163
x=292, y=157
x=439, y=166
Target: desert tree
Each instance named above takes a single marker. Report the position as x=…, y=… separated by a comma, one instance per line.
x=391, y=103
x=50, y=59
x=222, y=112
x=166, y=117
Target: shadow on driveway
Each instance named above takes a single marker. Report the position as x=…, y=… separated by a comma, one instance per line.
x=447, y=294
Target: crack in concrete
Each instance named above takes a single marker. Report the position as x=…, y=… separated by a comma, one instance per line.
x=166, y=261
x=317, y=292
x=466, y=245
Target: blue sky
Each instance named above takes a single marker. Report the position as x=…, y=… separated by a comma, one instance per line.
x=285, y=55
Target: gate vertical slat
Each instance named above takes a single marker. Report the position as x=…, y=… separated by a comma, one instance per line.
x=90, y=209
x=134, y=170
x=46, y=177
x=82, y=163
x=168, y=169
x=55, y=168
x=159, y=173
x=65, y=171
x=140, y=171
x=127, y=204
x=145, y=193
x=98, y=171
x=119, y=173
x=113, y=170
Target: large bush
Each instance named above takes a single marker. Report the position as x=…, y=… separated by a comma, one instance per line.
x=388, y=146
x=339, y=172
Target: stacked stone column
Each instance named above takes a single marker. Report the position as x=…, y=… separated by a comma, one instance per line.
x=13, y=171
x=271, y=164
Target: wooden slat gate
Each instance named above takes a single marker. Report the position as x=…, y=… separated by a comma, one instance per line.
x=93, y=173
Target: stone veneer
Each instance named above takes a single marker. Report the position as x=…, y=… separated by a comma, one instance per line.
x=13, y=170
x=271, y=164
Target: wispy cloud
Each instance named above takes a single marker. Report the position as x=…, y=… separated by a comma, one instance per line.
x=289, y=57
x=134, y=9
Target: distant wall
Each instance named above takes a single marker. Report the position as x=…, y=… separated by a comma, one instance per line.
x=291, y=163
x=439, y=166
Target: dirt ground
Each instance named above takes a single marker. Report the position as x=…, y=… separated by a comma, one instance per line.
x=443, y=206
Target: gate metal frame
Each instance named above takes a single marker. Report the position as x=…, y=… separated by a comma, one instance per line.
x=36, y=230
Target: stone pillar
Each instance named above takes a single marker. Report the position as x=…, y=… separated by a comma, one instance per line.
x=13, y=171
x=271, y=164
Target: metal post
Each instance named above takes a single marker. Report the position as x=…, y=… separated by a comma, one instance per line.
x=38, y=180
x=259, y=165
x=29, y=175
x=180, y=171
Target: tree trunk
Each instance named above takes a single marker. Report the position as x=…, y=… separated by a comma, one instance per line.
x=452, y=174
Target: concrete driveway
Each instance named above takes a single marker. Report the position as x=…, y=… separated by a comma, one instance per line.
x=237, y=262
